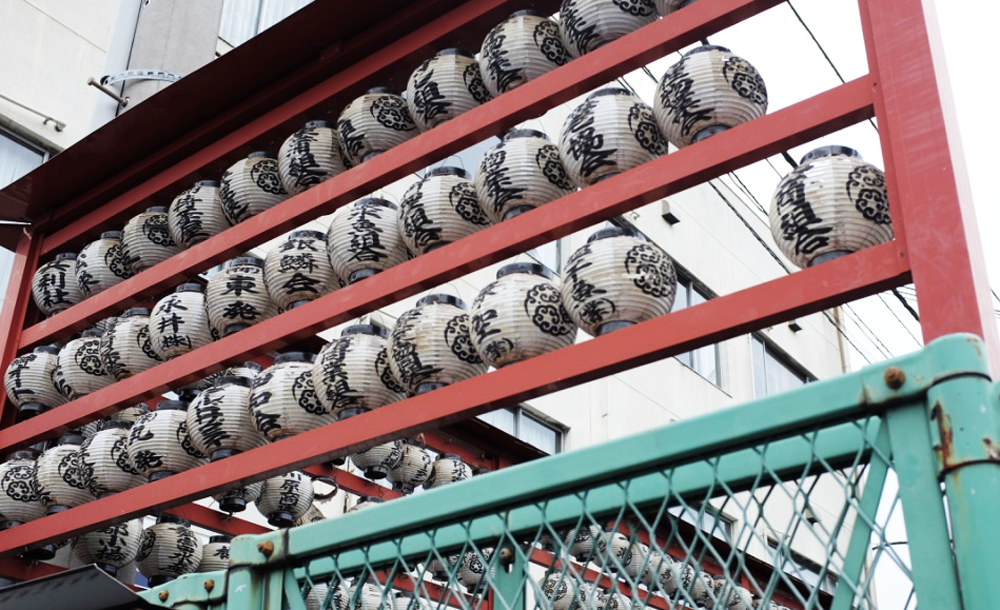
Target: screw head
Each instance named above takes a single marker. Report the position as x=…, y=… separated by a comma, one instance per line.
x=894, y=377
x=266, y=548
x=209, y=584
x=164, y=595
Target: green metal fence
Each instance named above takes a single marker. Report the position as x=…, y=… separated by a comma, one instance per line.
x=815, y=482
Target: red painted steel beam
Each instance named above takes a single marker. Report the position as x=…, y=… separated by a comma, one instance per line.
x=525, y=102
x=216, y=521
x=16, y=568
x=798, y=294
x=659, y=178
x=351, y=482
x=928, y=183
x=15, y=310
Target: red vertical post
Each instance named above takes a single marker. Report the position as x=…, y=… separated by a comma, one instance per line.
x=930, y=191
x=16, y=302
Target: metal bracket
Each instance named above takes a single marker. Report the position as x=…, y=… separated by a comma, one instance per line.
x=140, y=74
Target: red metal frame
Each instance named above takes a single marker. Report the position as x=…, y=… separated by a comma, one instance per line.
x=941, y=257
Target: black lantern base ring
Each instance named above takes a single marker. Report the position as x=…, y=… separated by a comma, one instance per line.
x=351, y=412
x=360, y=274
x=105, y=494
x=234, y=328
x=337, y=461
x=707, y=132
x=517, y=211
x=219, y=454
x=160, y=579
x=430, y=385
x=56, y=508
x=42, y=553
x=376, y=472
x=371, y=155
x=828, y=256
x=160, y=474
x=6, y=525
x=298, y=303
x=612, y=326
x=29, y=410
x=281, y=519
x=233, y=505
x=108, y=568
x=401, y=487
x=443, y=576
x=606, y=176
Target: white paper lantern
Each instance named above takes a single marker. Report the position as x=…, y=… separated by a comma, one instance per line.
x=364, y=239
x=19, y=502
x=707, y=92
x=236, y=500
x=285, y=498
x=126, y=348
x=473, y=568
x=236, y=297
x=586, y=25
x=312, y=515
x=127, y=415
x=167, y=550
x=610, y=600
x=365, y=502
x=219, y=421
x=104, y=461
x=101, y=264
x=444, y=87
x=251, y=186
x=447, y=469
x=724, y=595
x=196, y=214
x=79, y=370
x=431, y=345
x=439, y=209
x=159, y=445
x=179, y=322
x=413, y=469
x=112, y=547
x=146, y=239
x=297, y=270
x=612, y=131
x=283, y=398
x=215, y=554
x=310, y=156
x=59, y=477
x=521, y=173
x=566, y=591
x=519, y=316
x=832, y=204
x=352, y=376
x=373, y=123
x=54, y=287
x=29, y=384
x=519, y=49
x=616, y=280
x=586, y=543
x=377, y=461
x=665, y=7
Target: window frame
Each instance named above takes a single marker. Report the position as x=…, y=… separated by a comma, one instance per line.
x=26, y=142
x=521, y=412
x=781, y=357
x=783, y=557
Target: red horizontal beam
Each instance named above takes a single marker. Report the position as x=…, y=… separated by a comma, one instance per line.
x=795, y=295
x=524, y=102
x=351, y=483
x=216, y=521
x=16, y=568
x=659, y=178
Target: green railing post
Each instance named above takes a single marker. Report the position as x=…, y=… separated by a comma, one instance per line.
x=508, y=591
x=965, y=426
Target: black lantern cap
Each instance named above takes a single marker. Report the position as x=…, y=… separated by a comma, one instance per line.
x=66, y=256
x=444, y=299
x=239, y=380
x=612, y=232
x=447, y=171
x=46, y=349
x=456, y=51
x=167, y=518
x=23, y=454
x=830, y=151
x=382, y=91
x=135, y=311
x=707, y=47
x=71, y=438
x=377, y=201
x=416, y=442
x=171, y=405
x=307, y=235
x=295, y=357
x=244, y=260
x=528, y=13
x=262, y=154
x=220, y=538
x=372, y=499
x=111, y=235
x=317, y=125
x=450, y=456
x=91, y=333
x=524, y=133
x=156, y=209
x=208, y=183
x=115, y=424
x=530, y=268
x=190, y=287
x=365, y=329
x=610, y=91
x=249, y=364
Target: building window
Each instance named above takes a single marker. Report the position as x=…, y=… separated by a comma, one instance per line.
x=801, y=568
x=704, y=360
x=244, y=19
x=17, y=158
x=549, y=255
x=772, y=372
x=528, y=427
